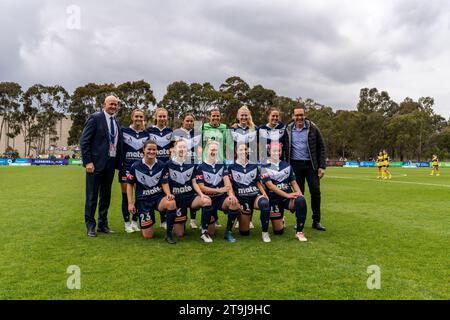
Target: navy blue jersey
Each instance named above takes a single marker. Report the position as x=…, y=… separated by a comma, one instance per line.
x=193, y=138
x=133, y=143
x=163, y=140
x=211, y=175
x=244, y=179
x=280, y=174
x=148, y=180
x=267, y=135
x=180, y=177
x=240, y=135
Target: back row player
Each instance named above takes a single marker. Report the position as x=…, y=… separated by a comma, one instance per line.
x=243, y=131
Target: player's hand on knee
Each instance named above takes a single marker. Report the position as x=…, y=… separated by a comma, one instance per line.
x=206, y=200
x=296, y=195
x=170, y=197
x=233, y=200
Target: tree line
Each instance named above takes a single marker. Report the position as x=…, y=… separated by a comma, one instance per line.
x=409, y=130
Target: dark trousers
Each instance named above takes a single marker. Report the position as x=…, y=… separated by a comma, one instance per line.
x=304, y=170
x=98, y=187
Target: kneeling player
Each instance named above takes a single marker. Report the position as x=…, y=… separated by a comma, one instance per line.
x=284, y=192
x=187, y=193
x=148, y=175
x=247, y=186
x=212, y=178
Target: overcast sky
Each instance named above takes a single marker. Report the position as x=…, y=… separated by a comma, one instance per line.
x=324, y=50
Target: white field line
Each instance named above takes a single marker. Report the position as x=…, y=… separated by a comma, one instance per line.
x=392, y=181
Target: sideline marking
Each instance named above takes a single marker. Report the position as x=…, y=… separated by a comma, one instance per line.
x=393, y=181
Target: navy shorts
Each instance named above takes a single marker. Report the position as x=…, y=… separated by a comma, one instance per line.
x=123, y=172
x=217, y=201
x=183, y=203
x=146, y=211
x=247, y=204
x=277, y=207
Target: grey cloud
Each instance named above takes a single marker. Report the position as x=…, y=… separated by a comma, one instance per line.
x=296, y=48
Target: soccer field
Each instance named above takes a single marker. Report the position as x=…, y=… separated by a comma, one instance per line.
x=401, y=225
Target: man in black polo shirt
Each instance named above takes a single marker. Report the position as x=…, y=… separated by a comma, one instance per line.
x=305, y=150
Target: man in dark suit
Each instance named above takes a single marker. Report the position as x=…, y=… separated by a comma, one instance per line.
x=305, y=151
x=100, y=149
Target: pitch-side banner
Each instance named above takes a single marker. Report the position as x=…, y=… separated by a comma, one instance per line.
x=21, y=162
x=51, y=162
x=395, y=164
x=367, y=164
x=351, y=164
x=75, y=162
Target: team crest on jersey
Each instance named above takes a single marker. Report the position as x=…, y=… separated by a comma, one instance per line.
x=243, y=137
x=244, y=178
x=133, y=142
x=278, y=175
x=272, y=134
x=161, y=141
x=181, y=177
x=148, y=181
x=213, y=179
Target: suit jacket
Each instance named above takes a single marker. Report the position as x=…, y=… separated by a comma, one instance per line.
x=316, y=145
x=94, y=142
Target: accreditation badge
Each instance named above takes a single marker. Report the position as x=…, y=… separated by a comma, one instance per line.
x=112, y=150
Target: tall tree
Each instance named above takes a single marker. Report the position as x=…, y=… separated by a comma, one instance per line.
x=86, y=100
x=50, y=104
x=371, y=100
x=234, y=92
x=10, y=101
x=177, y=100
x=203, y=97
x=136, y=94
x=260, y=100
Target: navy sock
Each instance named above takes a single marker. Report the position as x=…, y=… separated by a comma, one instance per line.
x=264, y=206
x=163, y=216
x=206, y=216
x=300, y=212
x=193, y=214
x=170, y=219
x=232, y=215
x=125, y=213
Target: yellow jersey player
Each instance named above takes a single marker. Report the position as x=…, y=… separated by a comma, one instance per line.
x=379, y=162
x=435, y=165
x=386, y=174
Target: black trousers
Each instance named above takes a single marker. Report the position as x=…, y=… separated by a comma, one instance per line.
x=98, y=187
x=304, y=170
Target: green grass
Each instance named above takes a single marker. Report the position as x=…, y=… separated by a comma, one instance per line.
x=400, y=225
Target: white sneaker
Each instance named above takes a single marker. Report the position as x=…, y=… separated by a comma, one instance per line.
x=251, y=226
x=206, y=238
x=193, y=225
x=135, y=226
x=284, y=223
x=218, y=225
x=265, y=237
x=164, y=225
x=128, y=228
x=301, y=236
x=237, y=225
